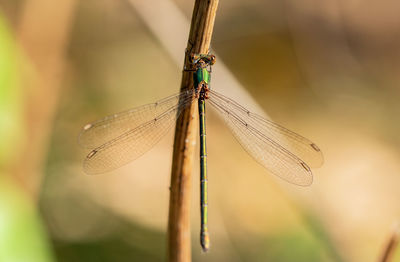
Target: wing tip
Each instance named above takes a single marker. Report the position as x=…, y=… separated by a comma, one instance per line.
x=88, y=167
x=317, y=162
x=310, y=179
x=303, y=180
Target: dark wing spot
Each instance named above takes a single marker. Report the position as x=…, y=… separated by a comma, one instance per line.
x=91, y=154
x=304, y=165
x=315, y=147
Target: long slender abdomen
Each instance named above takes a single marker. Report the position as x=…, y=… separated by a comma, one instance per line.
x=204, y=235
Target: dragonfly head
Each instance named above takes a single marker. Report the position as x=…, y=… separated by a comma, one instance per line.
x=201, y=60
x=201, y=64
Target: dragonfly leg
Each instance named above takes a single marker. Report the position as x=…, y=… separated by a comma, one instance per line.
x=188, y=70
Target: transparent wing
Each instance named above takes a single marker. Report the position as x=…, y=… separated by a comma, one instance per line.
x=261, y=145
x=300, y=146
x=103, y=130
x=133, y=143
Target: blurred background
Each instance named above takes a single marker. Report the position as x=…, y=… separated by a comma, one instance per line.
x=328, y=70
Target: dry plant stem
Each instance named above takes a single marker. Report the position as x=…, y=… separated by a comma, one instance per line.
x=390, y=246
x=185, y=136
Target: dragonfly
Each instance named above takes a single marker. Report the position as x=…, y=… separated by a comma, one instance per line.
x=123, y=137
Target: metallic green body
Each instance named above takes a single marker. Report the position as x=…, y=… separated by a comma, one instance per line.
x=200, y=75
x=204, y=236
x=201, y=81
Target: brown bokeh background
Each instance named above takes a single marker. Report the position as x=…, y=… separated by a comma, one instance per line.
x=327, y=70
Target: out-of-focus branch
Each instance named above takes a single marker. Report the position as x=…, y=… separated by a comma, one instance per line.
x=391, y=245
x=43, y=37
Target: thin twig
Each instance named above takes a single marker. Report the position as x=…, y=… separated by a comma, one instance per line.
x=185, y=136
x=391, y=245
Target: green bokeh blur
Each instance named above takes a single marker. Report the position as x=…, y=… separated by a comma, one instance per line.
x=22, y=234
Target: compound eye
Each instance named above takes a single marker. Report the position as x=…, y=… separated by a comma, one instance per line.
x=212, y=59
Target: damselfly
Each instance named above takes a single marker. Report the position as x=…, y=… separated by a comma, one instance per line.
x=123, y=137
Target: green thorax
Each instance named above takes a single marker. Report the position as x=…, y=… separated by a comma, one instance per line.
x=201, y=74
